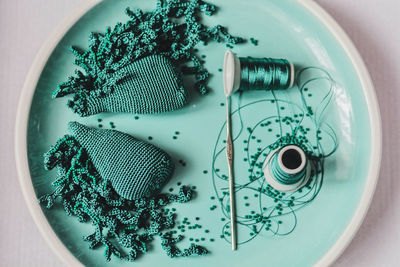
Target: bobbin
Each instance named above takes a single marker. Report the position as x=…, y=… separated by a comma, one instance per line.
x=285, y=162
x=232, y=73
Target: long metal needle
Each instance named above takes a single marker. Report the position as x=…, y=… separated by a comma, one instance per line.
x=229, y=156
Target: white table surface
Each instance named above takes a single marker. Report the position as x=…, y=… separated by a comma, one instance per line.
x=373, y=25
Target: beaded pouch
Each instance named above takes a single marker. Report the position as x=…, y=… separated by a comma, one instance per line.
x=137, y=66
x=149, y=85
x=135, y=168
x=112, y=180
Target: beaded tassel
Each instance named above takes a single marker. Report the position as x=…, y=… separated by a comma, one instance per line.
x=172, y=30
x=120, y=224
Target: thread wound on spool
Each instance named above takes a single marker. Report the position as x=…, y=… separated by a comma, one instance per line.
x=264, y=74
x=246, y=73
x=286, y=168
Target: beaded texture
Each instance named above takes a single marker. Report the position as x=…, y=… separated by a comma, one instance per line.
x=135, y=168
x=172, y=30
x=149, y=85
x=125, y=227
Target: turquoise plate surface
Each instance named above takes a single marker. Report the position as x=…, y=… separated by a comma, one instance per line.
x=296, y=30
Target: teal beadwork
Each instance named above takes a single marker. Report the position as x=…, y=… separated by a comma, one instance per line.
x=149, y=85
x=124, y=227
x=169, y=33
x=135, y=168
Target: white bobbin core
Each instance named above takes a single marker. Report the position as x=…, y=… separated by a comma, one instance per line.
x=283, y=187
x=282, y=160
x=232, y=73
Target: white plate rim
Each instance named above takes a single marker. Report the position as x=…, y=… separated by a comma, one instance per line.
x=21, y=128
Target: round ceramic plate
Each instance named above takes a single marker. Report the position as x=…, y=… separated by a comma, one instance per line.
x=314, y=234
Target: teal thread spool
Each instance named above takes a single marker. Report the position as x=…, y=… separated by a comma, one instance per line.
x=244, y=74
x=287, y=169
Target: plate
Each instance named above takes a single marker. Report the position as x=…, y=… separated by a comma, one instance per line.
x=299, y=31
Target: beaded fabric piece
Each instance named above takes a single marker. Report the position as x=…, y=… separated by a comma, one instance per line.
x=172, y=30
x=124, y=227
x=135, y=168
x=148, y=85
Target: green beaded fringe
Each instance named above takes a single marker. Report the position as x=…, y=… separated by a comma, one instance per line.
x=120, y=225
x=173, y=29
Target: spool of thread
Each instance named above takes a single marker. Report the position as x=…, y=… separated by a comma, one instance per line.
x=287, y=169
x=242, y=74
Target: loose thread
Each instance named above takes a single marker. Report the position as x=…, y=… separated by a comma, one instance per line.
x=273, y=211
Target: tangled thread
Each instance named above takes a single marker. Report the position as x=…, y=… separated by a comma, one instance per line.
x=267, y=210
